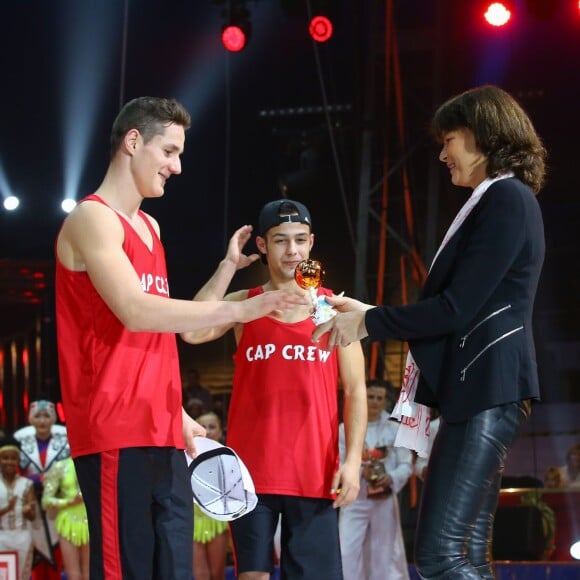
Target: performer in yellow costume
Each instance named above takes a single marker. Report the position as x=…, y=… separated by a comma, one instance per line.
x=61, y=492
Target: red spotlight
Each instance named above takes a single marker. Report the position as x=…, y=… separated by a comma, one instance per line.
x=233, y=38
x=497, y=13
x=236, y=28
x=320, y=28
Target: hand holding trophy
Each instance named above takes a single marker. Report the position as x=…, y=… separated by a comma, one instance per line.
x=308, y=275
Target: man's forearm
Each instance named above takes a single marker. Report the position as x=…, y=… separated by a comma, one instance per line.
x=216, y=287
x=355, y=424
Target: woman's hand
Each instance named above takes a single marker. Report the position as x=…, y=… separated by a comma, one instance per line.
x=344, y=328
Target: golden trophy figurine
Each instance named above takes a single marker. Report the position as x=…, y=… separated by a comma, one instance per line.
x=373, y=469
x=309, y=275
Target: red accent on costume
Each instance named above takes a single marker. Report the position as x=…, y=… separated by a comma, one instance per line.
x=110, y=515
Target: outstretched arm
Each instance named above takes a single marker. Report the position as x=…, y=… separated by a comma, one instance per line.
x=91, y=240
x=496, y=251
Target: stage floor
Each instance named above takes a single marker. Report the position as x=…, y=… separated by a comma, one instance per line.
x=503, y=571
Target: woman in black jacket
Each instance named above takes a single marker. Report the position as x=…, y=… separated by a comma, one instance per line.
x=470, y=334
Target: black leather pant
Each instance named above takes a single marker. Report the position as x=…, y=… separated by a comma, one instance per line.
x=461, y=492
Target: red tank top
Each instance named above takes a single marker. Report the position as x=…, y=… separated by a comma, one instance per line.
x=119, y=388
x=283, y=415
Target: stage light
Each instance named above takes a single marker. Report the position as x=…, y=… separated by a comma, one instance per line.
x=11, y=203
x=320, y=28
x=497, y=13
x=233, y=38
x=575, y=547
x=237, y=28
x=86, y=42
x=68, y=205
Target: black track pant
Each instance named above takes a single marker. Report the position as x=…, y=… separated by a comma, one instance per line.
x=140, y=510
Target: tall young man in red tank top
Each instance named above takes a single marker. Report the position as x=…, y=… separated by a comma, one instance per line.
x=118, y=361
x=283, y=415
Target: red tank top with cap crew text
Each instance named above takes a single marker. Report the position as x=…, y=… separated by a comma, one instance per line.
x=283, y=415
x=119, y=388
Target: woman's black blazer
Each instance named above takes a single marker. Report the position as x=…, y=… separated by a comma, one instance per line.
x=471, y=331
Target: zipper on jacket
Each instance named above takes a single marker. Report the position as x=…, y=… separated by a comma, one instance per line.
x=464, y=338
x=464, y=371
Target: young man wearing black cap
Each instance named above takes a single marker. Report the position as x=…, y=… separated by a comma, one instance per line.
x=283, y=416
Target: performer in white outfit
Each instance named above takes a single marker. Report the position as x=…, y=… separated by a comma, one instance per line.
x=17, y=508
x=371, y=539
x=43, y=443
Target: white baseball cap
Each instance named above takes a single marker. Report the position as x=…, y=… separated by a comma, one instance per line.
x=221, y=483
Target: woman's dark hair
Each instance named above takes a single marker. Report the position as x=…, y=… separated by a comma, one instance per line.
x=502, y=130
x=150, y=116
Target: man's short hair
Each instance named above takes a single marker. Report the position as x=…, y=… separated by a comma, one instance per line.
x=150, y=116
x=379, y=383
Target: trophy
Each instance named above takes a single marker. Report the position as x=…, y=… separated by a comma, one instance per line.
x=373, y=469
x=308, y=275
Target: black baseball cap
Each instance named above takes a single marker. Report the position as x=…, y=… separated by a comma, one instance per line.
x=283, y=211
